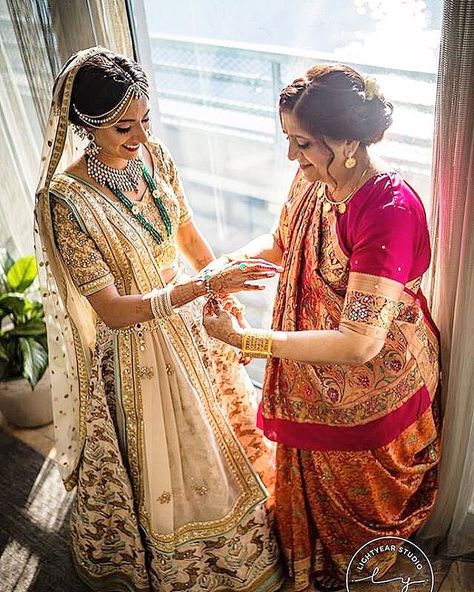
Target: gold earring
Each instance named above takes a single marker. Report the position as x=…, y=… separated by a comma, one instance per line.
x=350, y=162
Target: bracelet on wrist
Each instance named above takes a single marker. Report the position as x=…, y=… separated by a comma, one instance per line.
x=257, y=343
x=160, y=303
x=206, y=278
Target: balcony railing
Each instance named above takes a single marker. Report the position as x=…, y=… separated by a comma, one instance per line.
x=233, y=88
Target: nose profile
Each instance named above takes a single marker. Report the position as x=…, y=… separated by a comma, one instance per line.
x=141, y=135
x=292, y=151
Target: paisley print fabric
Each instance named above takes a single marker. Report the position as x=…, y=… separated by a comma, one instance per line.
x=357, y=445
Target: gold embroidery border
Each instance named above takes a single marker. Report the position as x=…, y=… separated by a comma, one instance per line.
x=337, y=252
x=147, y=276
x=386, y=400
x=102, y=224
x=97, y=284
x=378, y=287
x=340, y=254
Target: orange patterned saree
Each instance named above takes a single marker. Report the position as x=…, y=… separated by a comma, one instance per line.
x=357, y=443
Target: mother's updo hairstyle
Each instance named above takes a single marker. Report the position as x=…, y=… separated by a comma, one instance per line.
x=337, y=102
x=101, y=84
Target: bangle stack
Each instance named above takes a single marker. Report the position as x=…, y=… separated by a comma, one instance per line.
x=257, y=343
x=160, y=301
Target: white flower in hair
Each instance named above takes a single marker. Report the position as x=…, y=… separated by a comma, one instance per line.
x=372, y=88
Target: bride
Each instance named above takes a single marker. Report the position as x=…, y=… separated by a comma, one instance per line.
x=154, y=420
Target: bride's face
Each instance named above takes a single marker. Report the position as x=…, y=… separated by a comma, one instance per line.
x=124, y=138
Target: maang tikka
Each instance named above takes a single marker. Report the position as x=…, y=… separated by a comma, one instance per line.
x=126, y=179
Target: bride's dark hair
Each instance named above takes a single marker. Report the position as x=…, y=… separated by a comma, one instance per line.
x=101, y=83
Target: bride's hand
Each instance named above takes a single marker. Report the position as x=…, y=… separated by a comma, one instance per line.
x=222, y=325
x=236, y=308
x=234, y=277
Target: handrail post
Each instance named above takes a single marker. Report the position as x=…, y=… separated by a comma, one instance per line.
x=277, y=86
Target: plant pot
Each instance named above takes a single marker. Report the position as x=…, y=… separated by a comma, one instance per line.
x=24, y=407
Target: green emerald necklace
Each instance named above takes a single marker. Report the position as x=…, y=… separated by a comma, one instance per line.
x=135, y=210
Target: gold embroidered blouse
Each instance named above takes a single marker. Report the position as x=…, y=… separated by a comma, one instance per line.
x=81, y=254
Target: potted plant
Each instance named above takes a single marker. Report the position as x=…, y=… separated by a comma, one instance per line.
x=25, y=398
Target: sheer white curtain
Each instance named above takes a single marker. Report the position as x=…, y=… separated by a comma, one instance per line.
x=452, y=278
x=20, y=124
x=35, y=36
x=82, y=24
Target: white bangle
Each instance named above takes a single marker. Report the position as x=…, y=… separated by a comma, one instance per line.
x=160, y=302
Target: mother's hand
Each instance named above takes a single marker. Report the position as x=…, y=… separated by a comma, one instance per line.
x=235, y=276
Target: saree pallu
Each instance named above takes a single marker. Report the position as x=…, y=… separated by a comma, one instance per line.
x=357, y=444
x=166, y=496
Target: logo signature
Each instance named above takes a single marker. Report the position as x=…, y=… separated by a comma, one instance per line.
x=390, y=560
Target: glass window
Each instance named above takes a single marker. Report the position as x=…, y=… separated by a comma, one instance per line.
x=219, y=67
x=21, y=130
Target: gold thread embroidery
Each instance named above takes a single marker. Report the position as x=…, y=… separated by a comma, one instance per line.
x=146, y=372
x=165, y=497
x=110, y=229
x=367, y=308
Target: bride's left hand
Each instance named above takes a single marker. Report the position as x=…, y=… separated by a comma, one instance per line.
x=231, y=304
x=222, y=325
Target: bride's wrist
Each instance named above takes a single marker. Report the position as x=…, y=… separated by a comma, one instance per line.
x=235, y=338
x=187, y=292
x=198, y=287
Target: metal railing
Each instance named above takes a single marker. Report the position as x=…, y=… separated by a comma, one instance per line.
x=200, y=81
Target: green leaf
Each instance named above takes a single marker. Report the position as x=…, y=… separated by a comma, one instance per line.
x=5, y=263
x=22, y=273
x=42, y=340
x=35, y=360
x=34, y=309
x=12, y=366
x=31, y=328
x=12, y=303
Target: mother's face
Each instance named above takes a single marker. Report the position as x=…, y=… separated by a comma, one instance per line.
x=123, y=139
x=311, y=154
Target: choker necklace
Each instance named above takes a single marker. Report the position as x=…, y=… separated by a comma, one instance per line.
x=126, y=179
x=340, y=205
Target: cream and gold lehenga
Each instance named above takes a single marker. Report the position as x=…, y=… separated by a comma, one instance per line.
x=154, y=423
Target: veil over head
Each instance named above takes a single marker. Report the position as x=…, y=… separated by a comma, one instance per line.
x=70, y=319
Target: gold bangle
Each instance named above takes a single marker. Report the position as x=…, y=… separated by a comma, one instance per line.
x=257, y=343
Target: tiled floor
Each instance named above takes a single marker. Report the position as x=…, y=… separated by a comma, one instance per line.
x=450, y=575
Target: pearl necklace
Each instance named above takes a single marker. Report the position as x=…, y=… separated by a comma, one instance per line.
x=340, y=205
x=126, y=179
